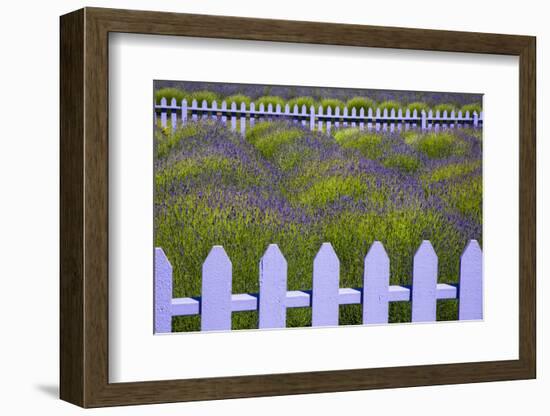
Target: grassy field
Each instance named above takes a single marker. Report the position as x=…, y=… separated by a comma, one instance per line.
x=287, y=185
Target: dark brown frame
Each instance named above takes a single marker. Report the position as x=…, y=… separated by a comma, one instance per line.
x=84, y=207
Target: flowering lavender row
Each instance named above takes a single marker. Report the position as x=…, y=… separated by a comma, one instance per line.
x=285, y=184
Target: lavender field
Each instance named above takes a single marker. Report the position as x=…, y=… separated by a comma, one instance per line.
x=284, y=184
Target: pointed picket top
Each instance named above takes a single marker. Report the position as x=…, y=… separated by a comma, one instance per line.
x=470, y=289
x=278, y=108
x=468, y=114
x=385, y=113
x=173, y=102
x=252, y=106
x=312, y=110
x=444, y=113
x=233, y=106
x=378, y=113
x=163, y=292
x=216, y=291
x=376, y=280
x=194, y=103
x=163, y=101
x=269, y=107
x=452, y=113
x=214, y=105
x=354, y=111
x=362, y=112
x=400, y=113
x=459, y=113
x=304, y=109
x=329, y=111
x=346, y=111
x=424, y=302
x=261, y=108
x=336, y=111
x=273, y=283
x=392, y=113
x=204, y=104
x=326, y=280
x=287, y=108
x=243, y=106
x=408, y=113
x=184, y=102
x=370, y=112
x=224, y=105
x=295, y=109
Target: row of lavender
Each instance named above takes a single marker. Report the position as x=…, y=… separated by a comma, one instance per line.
x=217, y=301
x=317, y=119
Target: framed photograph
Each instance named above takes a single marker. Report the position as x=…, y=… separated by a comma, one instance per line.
x=255, y=207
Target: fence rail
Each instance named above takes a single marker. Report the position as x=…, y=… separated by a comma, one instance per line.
x=239, y=117
x=217, y=301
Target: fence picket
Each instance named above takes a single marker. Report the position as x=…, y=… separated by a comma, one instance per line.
x=174, y=114
x=204, y=109
x=224, y=112
x=194, y=115
x=252, y=120
x=273, y=278
x=328, y=122
x=424, y=284
x=163, y=113
x=304, y=115
x=376, y=280
x=470, y=300
x=163, y=292
x=216, y=291
x=326, y=280
x=184, y=112
x=320, y=115
x=243, y=119
x=345, y=119
x=233, y=116
x=353, y=117
x=214, y=110
x=312, y=118
x=362, y=116
x=337, y=115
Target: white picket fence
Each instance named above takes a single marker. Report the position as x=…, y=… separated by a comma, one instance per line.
x=380, y=120
x=217, y=302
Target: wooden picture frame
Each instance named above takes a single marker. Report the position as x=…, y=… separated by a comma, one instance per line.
x=84, y=207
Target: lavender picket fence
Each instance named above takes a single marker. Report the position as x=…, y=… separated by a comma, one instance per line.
x=239, y=117
x=218, y=302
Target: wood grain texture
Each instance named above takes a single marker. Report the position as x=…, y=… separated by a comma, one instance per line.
x=84, y=207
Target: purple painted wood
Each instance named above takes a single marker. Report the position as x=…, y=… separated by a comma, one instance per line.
x=216, y=291
x=326, y=281
x=345, y=115
x=214, y=110
x=273, y=277
x=376, y=280
x=224, y=112
x=337, y=117
x=163, y=293
x=204, y=110
x=470, y=296
x=233, y=116
x=424, y=304
x=476, y=119
x=304, y=115
x=184, y=112
x=423, y=122
x=312, y=118
x=252, y=117
x=174, y=115
x=194, y=115
x=243, y=119
x=163, y=113
x=320, y=124
x=328, y=122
